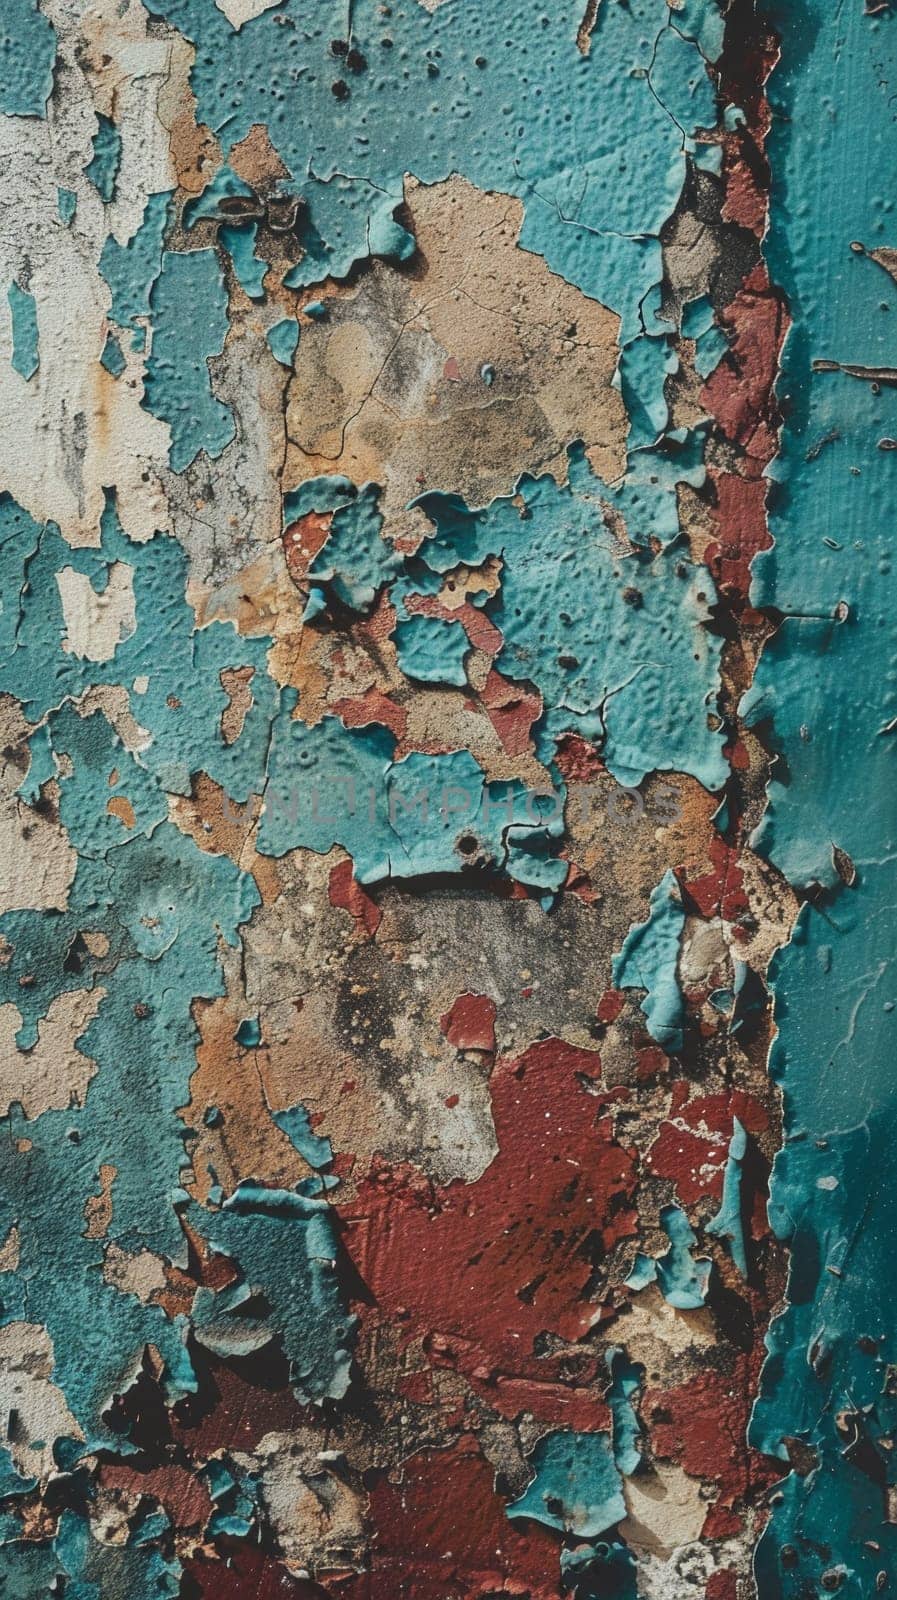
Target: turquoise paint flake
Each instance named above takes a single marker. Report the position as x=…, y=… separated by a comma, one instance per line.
x=356, y=561
x=326, y=493
x=649, y=960
x=386, y=236
x=576, y=1487
x=432, y=650
x=343, y=221
x=112, y=358
x=704, y=22
x=41, y=767
x=682, y=1278
x=296, y=1124
x=699, y=323
x=131, y=269
x=529, y=861
x=102, y=169
x=330, y=784
x=283, y=338
x=728, y=1222
x=250, y=269
x=27, y=59
x=249, y=1033
x=645, y=364
x=616, y=644
x=12, y=1481
x=626, y=1381
x=66, y=205
x=286, y=1247
x=225, y=186
x=23, y=311
x=234, y=1495
x=711, y=348
x=178, y=384
x=680, y=79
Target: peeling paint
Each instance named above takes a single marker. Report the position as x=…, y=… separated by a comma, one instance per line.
x=436, y=908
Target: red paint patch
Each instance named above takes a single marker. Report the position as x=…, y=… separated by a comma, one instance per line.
x=741, y=518
x=512, y=711
x=701, y=1425
x=372, y=706
x=303, y=540
x=740, y=391
x=719, y=893
x=442, y=1531
x=722, y=1585
x=245, y=1572
x=349, y=896
x=491, y=1266
x=579, y=761
x=470, y=1025
x=692, y=1147
x=181, y=1492
x=610, y=1005
x=650, y=1062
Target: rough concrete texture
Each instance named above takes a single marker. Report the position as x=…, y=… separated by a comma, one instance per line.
x=446, y=831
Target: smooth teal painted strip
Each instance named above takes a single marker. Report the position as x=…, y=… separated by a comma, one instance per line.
x=824, y=698
x=23, y=311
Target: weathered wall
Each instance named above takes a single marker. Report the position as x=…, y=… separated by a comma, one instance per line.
x=445, y=664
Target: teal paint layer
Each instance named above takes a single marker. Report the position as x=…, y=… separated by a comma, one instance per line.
x=506, y=118
x=102, y=169
x=824, y=699
x=283, y=338
x=649, y=960
x=250, y=269
x=27, y=58
x=431, y=650
x=682, y=1277
x=613, y=642
x=728, y=1222
x=131, y=270
x=23, y=312
x=576, y=1487
x=67, y=204
x=178, y=383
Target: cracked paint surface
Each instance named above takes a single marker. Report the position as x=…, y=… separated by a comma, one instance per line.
x=444, y=976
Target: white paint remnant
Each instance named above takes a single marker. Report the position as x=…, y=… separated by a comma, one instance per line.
x=9, y=1251
x=42, y=1415
x=37, y=862
x=316, y=1517
x=96, y=624
x=239, y=12
x=115, y=703
x=666, y=1510
x=75, y=428
x=53, y=1074
x=134, y=1272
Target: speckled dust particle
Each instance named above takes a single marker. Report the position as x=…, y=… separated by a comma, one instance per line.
x=446, y=836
